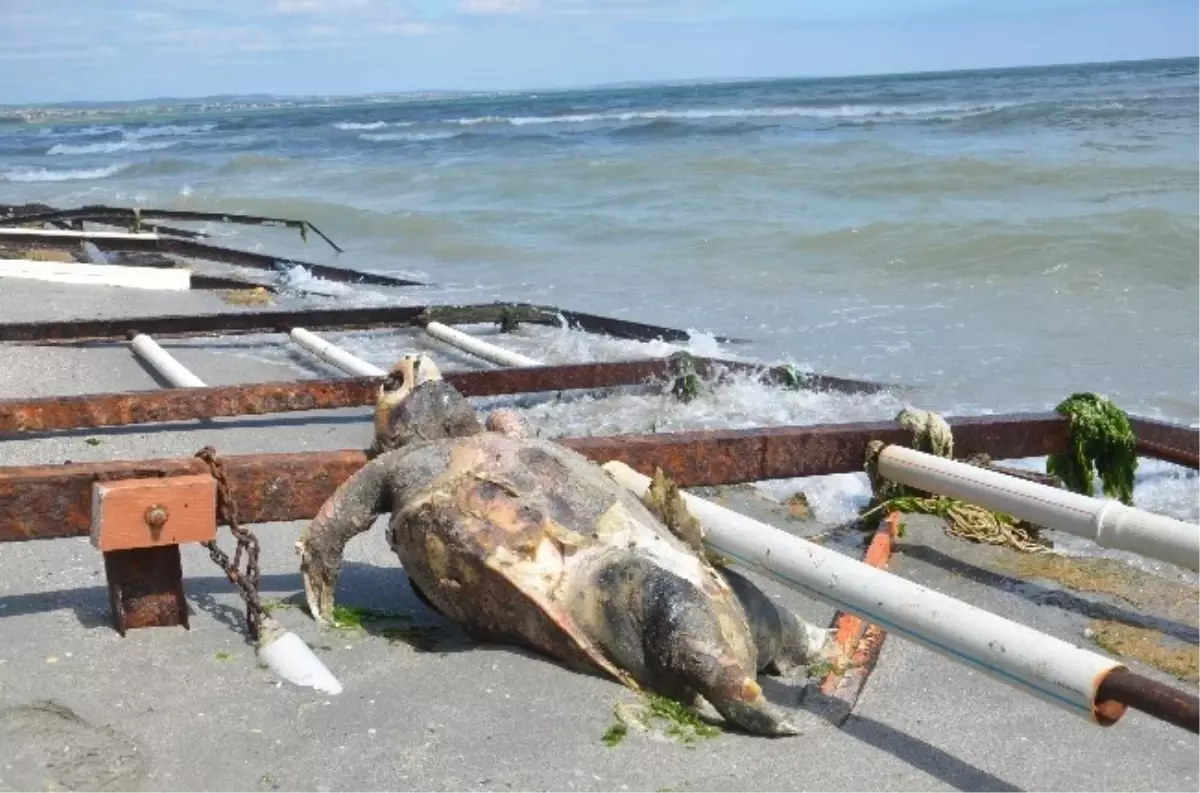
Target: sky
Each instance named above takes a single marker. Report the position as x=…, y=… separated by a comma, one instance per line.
x=84, y=50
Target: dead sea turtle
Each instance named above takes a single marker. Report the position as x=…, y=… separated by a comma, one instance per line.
x=522, y=540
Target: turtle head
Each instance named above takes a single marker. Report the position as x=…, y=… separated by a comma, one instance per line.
x=407, y=373
x=415, y=402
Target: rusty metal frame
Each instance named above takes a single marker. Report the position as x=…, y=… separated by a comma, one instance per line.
x=42, y=502
x=235, y=323
x=216, y=253
x=46, y=414
x=55, y=500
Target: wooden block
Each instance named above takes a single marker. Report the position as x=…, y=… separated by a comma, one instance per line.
x=147, y=513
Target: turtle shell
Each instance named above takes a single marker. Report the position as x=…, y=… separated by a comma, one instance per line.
x=499, y=535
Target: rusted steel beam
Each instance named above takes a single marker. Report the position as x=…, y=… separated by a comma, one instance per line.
x=46, y=414
x=129, y=216
x=1166, y=441
x=226, y=323
x=216, y=253
x=1150, y=696
x=55, y=501
x=735, y=456
x=145, y=588
x=232, y=323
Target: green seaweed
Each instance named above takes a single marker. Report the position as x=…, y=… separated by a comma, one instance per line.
x=1101, y=442
x=354, y=617
x=222, y=656
x=509, y=321
x=614, y=735
x=92, y=441
x=687, y=385
x=790, y=375
x=682, y=723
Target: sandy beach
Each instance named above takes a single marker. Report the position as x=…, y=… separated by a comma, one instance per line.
x=170, y=709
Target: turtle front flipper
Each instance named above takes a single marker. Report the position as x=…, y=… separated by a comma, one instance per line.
x=350, y=511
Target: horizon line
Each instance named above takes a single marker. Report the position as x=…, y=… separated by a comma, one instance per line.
x=613, y=85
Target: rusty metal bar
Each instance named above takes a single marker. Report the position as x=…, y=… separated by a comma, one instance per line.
x=145, y=588
x=216, y=253
x=46, y=414
x=232, y=323
x=1151, y=697
x=1167, y=441
x=128, y=216
x=39, y=502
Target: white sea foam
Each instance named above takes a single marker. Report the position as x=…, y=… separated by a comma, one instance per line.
x=168, y=130
x=353, y=126
x=356, y=125
x=844, y=111
x=383, y=137
x=26, y=174
x=111, y=147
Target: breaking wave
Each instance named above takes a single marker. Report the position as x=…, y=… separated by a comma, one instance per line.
x=703, y=114
x=111, y=147
x=54, y=175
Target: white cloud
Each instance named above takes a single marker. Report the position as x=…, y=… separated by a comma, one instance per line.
x=498, y=6
x=318, y=6
x=626, y=8
x=81, y=30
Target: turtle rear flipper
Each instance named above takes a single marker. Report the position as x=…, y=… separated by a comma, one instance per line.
x=786, y=643
x=688, y=648
x=676, y=638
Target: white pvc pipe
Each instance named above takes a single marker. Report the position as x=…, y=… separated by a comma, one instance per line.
x=480, y=349
x=333, y=354
x=75, y=234
x=1110, y=524
x=1036, y=663
x=161, y=361
x=165, y=279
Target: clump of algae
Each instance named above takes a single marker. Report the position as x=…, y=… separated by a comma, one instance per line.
x=679, y=722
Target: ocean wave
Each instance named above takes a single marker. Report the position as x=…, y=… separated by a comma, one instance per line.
x=354, y=126
x=384, y=137
x=350, y=126
x=93, y=130
x=703, y=114
x=168, y=130
x=28, y=174
x=111, y=147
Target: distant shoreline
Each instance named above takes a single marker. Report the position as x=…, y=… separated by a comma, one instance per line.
x=162, y=107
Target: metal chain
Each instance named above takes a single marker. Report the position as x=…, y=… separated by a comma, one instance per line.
x=227, y=511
